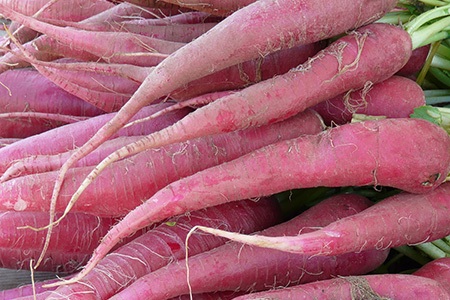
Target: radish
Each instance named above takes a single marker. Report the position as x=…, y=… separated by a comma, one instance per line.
x=71, y=136
x=301, y=163
x=166, y=243
x=89, y=230
x=334, y=239
x=62, y=262
x=146, y=173
x=146, y=51
x=383, y=286
x=348, y=63
x=259, y=269
x=439, y=270
x=269, y=26
x=42, y=96
x=395, y=97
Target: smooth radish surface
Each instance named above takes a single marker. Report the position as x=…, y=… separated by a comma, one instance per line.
x=41, y=96
x=46, y=163
x=149, y=171
x=439, y=270
x=416, y=61
x=26, y=290
x=62, y=262
x=215, y=7
x=364, y=153
x=147, y=51
x=77, y=233
x=259, y=268
x=71, y=136
x=375, y=229
x=166, y=243
x=348, y=63
x=269, y=25
x=249, y=72
x=383, y=286
x=395, y=97
x=61, y=9
x=182, y=33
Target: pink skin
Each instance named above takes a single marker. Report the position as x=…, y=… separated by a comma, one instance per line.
x=27, y=290
x=148, y=51
x=348, y=63
x=280, y=32
x=305, y=160
x=74, y=135
x=46, y=163
x=41, y=96
x=90, y=230
x=249, y=72
x=63, y=262
x=395, y=97
x=44, y=43
x=416, y=62
x=439, y=270
x=216, y=7
x=187, y=17
x=260, y=268
x=165, y=244
x=388, y=286
x=375, y=226
x=174, y=32
x=63, y=10
x=161, y=166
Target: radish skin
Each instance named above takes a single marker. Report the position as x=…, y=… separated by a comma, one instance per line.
x=53, y=261
x=263, y=35
x=383, y=286
x=395, y=97
x=148, y=171
x=349, y=63
x=147, y=51
x=305, y=160
x=42, y=96
x=89, y=231
x=71, y=136
x=165, y=244
x=439, y=270
x=341, y=236
x=259, y=268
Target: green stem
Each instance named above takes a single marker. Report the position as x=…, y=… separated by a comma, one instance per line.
x=440, y=75
x=423, y=72
x=437, y=93
x=426, y=17
x=430, y=33
x=434, y=2
x=413, y=254
x=431, y=250
x=396, y=17
x=442, y=245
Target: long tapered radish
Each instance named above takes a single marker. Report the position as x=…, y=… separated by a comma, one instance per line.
x=145, y=51
x=146, y=172
x=166, y=243
x=269, y=26
x=364, y=153
x=377, y=231
x=348, y=63
x=74, y=135
x=375, y=286
x=395, y=97
x=259, y=268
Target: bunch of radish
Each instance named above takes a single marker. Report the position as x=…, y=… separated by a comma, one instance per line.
x=140, y=137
